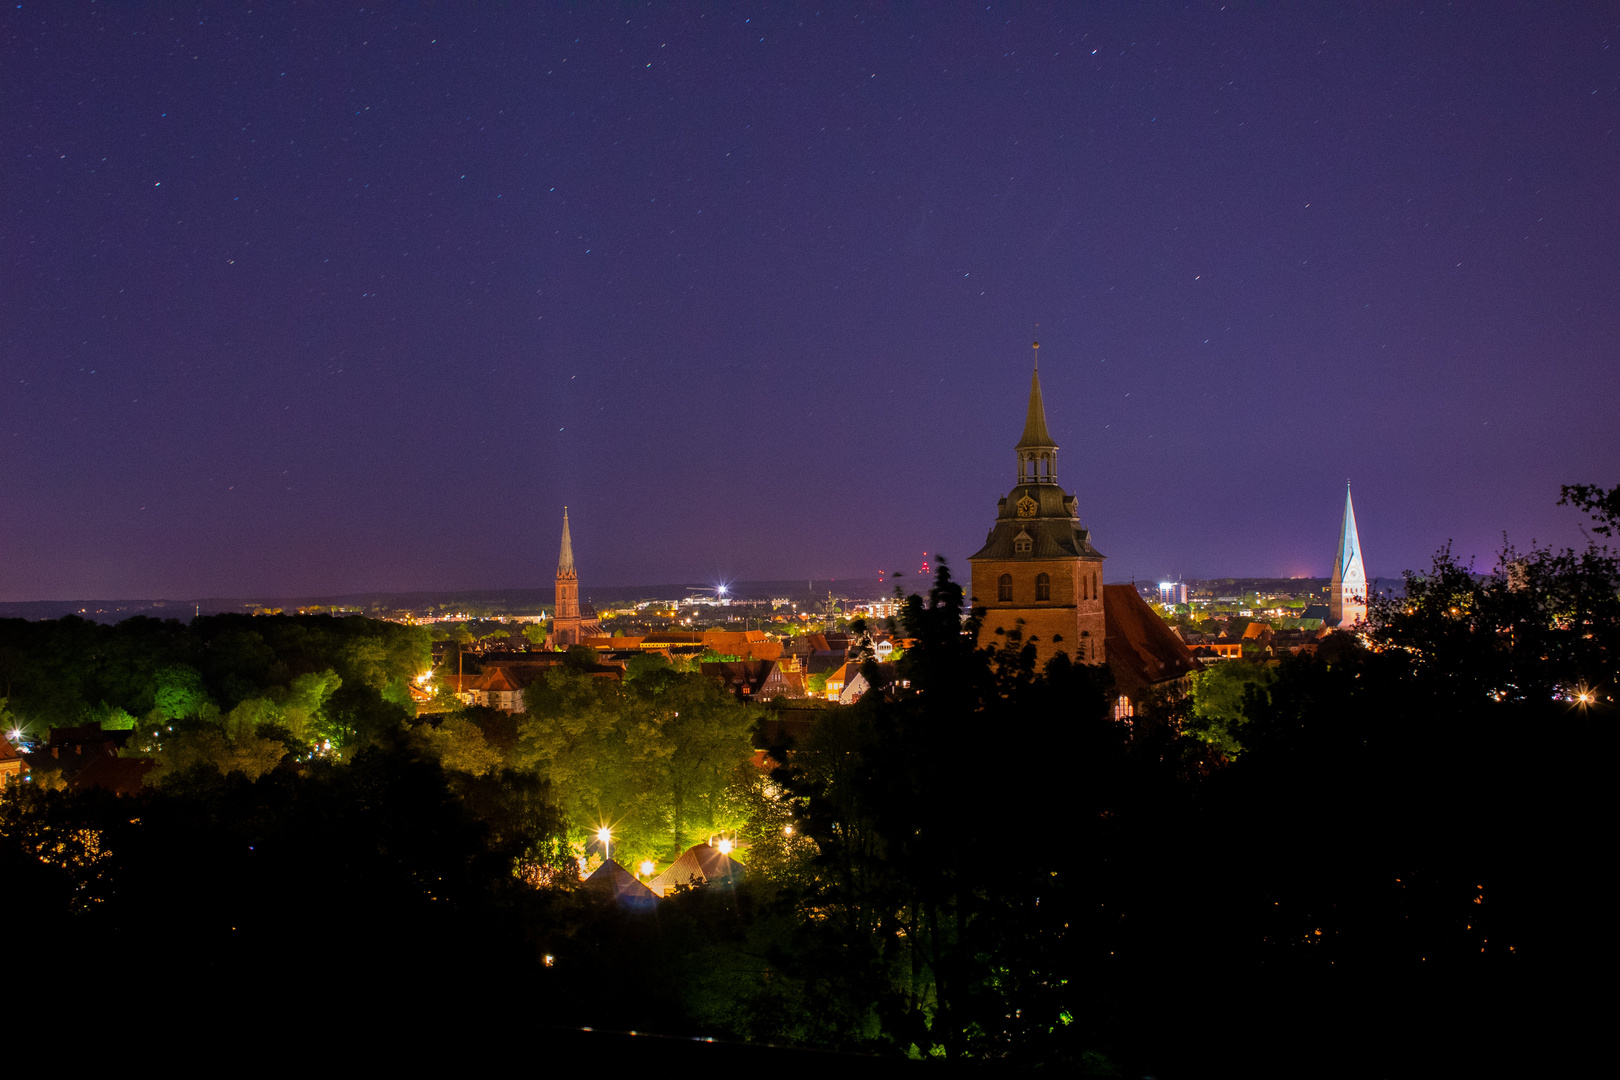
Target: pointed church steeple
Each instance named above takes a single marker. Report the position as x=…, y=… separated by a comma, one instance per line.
x=1347, y=592
x=565, y=561
x=1037, y=453
x=566, y=615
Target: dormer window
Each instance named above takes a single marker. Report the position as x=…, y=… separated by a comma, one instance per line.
x=1023, y=544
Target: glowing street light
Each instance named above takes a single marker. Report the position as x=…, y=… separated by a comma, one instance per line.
x=605, y=835
x=725, y=847
x=647, y=867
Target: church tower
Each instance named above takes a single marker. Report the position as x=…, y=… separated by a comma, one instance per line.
x=1037, y=572
x=565, y=624
x=1347, y=594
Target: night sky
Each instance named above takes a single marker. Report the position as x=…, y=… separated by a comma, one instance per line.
x=302, y=300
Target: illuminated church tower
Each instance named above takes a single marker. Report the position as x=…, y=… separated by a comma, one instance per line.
x=1037, y=571
x=1347, y=594
x=568, y=625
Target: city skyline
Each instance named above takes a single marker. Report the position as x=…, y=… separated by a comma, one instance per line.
x=348, y=302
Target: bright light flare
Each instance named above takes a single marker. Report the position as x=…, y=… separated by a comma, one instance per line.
x=604, y=834
x=725, y=847
x=647, y=867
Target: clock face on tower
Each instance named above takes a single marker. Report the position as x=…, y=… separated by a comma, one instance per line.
x=1027, y=507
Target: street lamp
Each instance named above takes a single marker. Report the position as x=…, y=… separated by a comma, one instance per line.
x=647, y=867
x=605, y=835
x=725, y=847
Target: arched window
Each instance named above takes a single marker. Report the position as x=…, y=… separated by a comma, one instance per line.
x=1043, y=587
x=1123, y=709
x=1004, y=588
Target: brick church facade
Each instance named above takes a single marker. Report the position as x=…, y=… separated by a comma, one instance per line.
x=1039, y=574
x=570, y=624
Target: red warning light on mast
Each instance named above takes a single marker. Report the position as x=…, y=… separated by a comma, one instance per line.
x=924, y=571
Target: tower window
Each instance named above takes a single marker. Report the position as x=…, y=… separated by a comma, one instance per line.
x=1043, y=587
x=1004, y=588
x=1023, y=544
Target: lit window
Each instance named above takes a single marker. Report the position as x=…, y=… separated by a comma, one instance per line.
x=1043, y=587
x=1004, y=588
x=1123, y=709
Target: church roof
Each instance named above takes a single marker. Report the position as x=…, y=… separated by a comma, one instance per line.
x=1349, y=543
x=1141, y=649
x=1035, y=433
x=565, y=560
x=1053, y=529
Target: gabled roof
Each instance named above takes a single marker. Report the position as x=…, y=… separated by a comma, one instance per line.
x=1141, y=649
x=498, y=680
x=613, y=882
x=697, y=864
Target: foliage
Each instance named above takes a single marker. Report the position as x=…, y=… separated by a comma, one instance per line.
x=653, y=757
x=1603, y=506
x=188, y=745
x=61, y=672
x=458, y=744
x=1218, y=697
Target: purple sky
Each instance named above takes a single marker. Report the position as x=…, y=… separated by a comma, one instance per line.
x=306, y=300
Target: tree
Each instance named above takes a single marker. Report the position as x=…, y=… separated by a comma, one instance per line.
x=651, y=758
x=1603, y=506
x=188, y=745
x=1219, y=694
x=178, y=693
x=458, y=745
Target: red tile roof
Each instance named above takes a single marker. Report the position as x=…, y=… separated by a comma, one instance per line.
x=1141, y=649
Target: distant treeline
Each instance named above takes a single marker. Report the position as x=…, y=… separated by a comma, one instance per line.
x=71, y=671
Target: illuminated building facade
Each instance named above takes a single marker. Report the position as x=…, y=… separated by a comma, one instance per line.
x=1038, y=571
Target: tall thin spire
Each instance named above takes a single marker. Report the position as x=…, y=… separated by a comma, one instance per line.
x=1035, y=433
x=1347, y=593
x=565, y=561
x=1349, y=542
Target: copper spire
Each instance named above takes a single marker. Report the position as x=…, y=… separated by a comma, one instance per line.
x=1035, y=433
